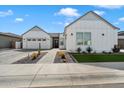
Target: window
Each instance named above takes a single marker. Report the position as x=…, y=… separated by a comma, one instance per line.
x=39, y=39
x=44, y=39
x=28, y=39
x=62, y=41
x=83, y=38
x=33, y=39
x=87, y=38
x=79, y=37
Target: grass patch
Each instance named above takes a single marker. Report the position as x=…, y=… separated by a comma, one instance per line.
x=99, y=57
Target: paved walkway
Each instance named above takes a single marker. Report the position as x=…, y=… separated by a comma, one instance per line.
x=49, y=57
x=58, y=75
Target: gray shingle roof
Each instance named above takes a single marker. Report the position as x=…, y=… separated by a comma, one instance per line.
x=121, y=33
x=54, y=34
x=10, y=34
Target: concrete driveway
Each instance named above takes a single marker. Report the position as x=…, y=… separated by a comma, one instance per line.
x=8, y=56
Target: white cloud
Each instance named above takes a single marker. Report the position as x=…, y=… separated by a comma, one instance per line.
x=99, y=12
x=69, y=12
x=121, y=19
x=27, y=15
x=116, y=23
x=68, y=21
x=6, y=13
x=19, y=20
x=58, y=23
x=110, y=6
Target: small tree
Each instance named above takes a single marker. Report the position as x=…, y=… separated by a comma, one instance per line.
x=89, y=49
x=39, y=49
x=79, y=50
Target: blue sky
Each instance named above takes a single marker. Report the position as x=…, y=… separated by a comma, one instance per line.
x=18, y=19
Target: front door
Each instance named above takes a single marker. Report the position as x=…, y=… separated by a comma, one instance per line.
x=55, y=43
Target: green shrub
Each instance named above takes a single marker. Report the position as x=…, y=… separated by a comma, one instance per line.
x=79, y=50
x=116, y=49
x=89, y=49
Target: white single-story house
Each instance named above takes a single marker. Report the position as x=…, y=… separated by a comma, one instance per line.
x=88, y=30
x=36, y=38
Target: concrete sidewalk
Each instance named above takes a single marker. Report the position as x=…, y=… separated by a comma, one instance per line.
x=49, y=57
x=57, y=75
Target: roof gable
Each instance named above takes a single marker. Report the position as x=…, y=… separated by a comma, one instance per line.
x=92, y=16
x=35, y=28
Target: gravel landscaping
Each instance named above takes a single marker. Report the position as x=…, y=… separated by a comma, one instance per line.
x=59, y=59
x=27, y=60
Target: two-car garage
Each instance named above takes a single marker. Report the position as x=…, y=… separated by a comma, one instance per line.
x=8, y=40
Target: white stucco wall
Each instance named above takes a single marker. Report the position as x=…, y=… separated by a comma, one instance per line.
x=97, y=27
x=36, y=33
x=62, y=38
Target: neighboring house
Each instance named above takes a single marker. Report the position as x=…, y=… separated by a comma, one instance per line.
x=121, y=39
x=7, y=40
x=88, y=30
